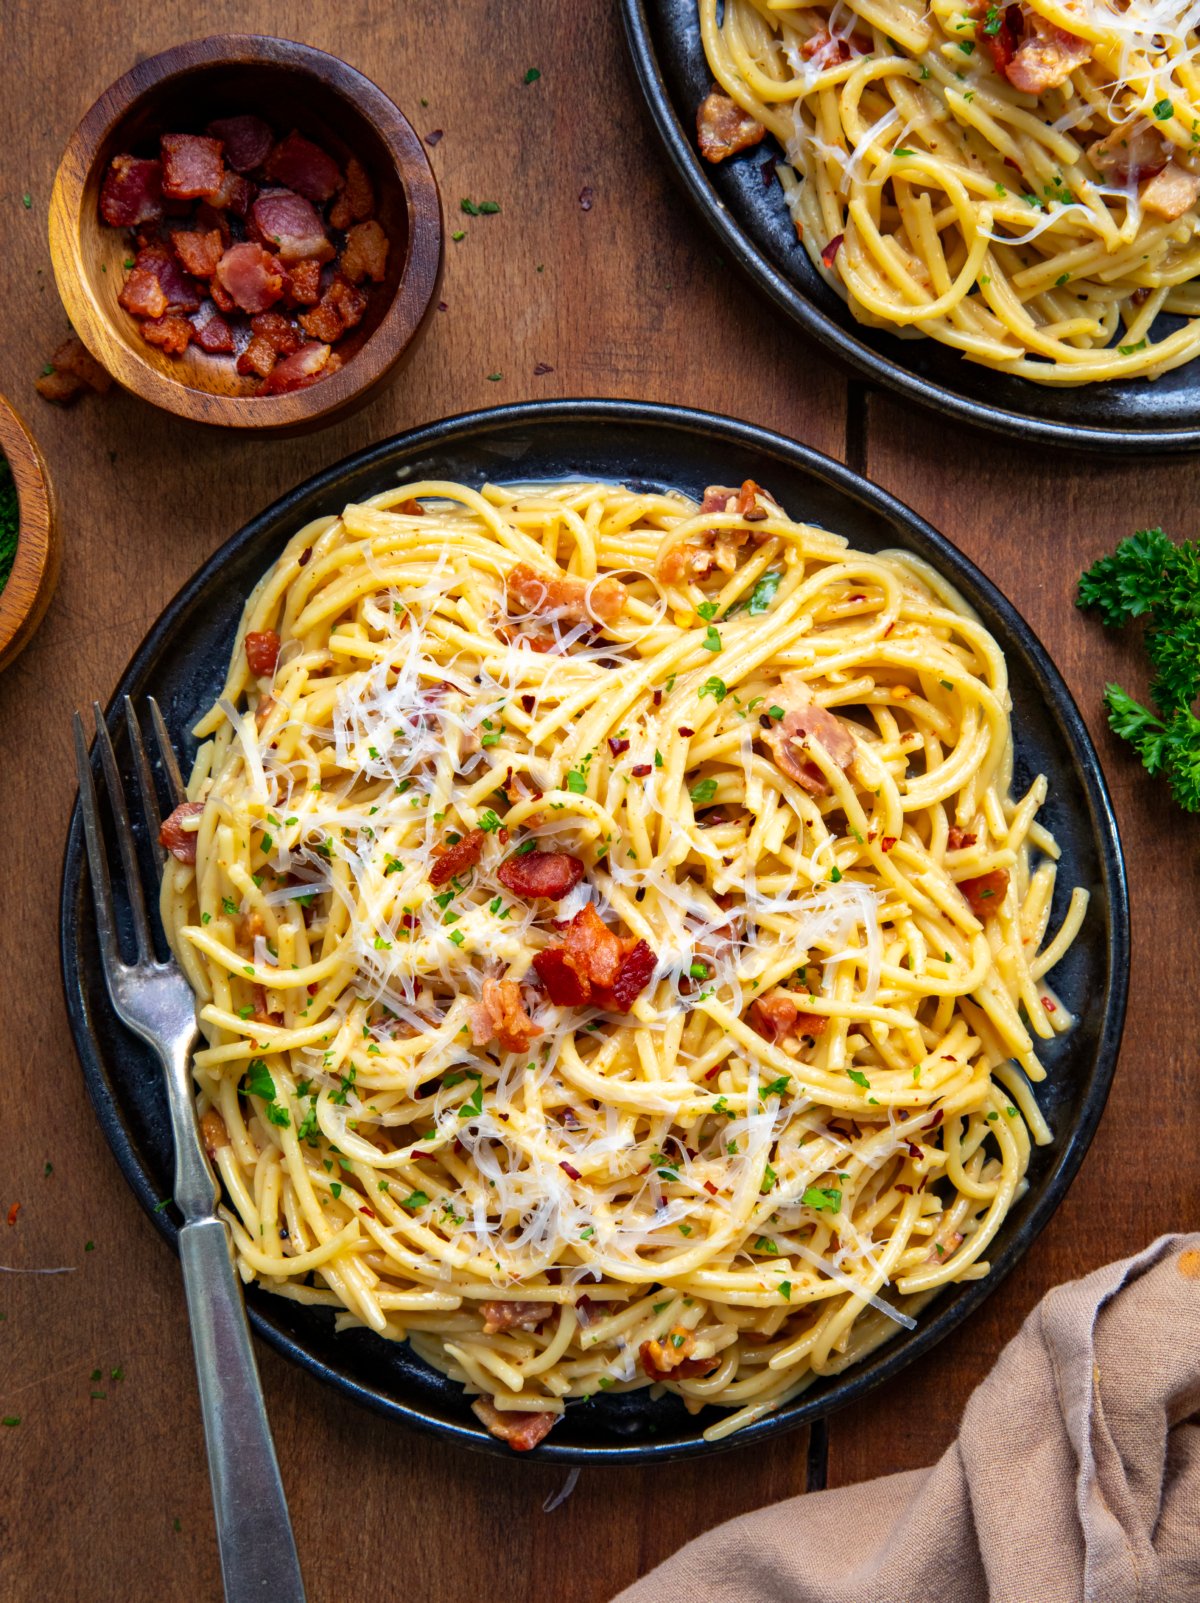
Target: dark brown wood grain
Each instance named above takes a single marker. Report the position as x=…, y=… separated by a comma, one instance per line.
x=293, y=87
x=627, y=298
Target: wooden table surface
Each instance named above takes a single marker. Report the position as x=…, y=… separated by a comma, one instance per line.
x=106, y=1497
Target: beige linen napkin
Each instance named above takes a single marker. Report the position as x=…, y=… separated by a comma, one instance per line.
x=1076, y=1475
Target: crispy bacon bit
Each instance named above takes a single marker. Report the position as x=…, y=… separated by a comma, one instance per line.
x=341, y=308
x=279, y=332
x=192, y=168
x=723, y=128
x=1002, y=35
x=13, y=1212
x=142, y=294
x=235, y=195
x=412, y=508
x=1046, y=58
x=356, y=199
x=251, y=276
x=296, y=372
x=290, y=225
x=258, y=358
x=777, y=1017
x=616, y=746
x=499, y=1315
x=304, y=282
x=500, y=1015
x=574, y=600
x=170, y=333
x=791, y=738
x=1131, y=153
x=262, y=652
x=942, y=1249
x=62, y=388
x=672, y=1359
x=548, y=875
x=213, y=1132
x=364, y=254
x=640, y=770
x=592, y=965
x=456, y=859
x=985, y=892
x=957, y=839
x=74, y=362
x=246, y=139
x=298, y=164
x=520, y=1431
x=886, y=844
x=1171, y=192
x=222, y=299
x=829, y=254
x=180, y=842
x=716, y=548
x=199, y=252
x=132, y=192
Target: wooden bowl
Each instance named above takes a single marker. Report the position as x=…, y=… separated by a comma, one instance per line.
x=291, y=86
x=25, y=597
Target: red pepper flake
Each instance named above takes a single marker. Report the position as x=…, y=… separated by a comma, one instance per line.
x=527, y=705
x=1049, y=1005
x=435, y=137
x=503, y=836
x=586, y=195
x=857, y=596
x=368, y=1212
x=13, y=1212
x=710, y=1188
x=542, y=369
x=932, y=1124
x=640, y=770
x=658, y=698
x=767, y=173
x=617, y=746
x=305, y=557
x=715, y=1070
x=313, y=988
x=887, y=843
x=914, y=1150
x=829, y=254
x=765, y=721
x=570, y=1170
x=443, y=306
x=684, y=730
x=907, y=1190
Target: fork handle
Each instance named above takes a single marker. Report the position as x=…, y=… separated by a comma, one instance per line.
x=254, y=1532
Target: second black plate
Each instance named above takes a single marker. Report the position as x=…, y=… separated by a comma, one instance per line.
x=182, y=662
x=752, y=222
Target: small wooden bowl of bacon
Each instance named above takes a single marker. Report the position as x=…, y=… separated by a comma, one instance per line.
x=246, y=231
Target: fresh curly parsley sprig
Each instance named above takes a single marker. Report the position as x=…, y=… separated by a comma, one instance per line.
x=1149, y=576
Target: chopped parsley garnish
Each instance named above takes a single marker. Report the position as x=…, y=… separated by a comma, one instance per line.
x=488, y=821
x=712, y=639
x=703, y=791
x=1164, y=110
x=258, y=1080
x=473, y=1106
x=775, y=712
x=1132, y=350
x=765, y=1244
x=714, y=687
x=576, y=782
x=415, y=1199
x=825, y=1199
x=776, y=1088
x=707, y=610
x=532, y=74
x=859, y=1078
x=769, y=1180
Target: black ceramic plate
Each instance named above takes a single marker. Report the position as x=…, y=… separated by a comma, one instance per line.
x=752, y=222
x=182, y=661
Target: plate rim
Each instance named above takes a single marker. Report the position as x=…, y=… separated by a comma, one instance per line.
x=953, y=564
x=843, y=345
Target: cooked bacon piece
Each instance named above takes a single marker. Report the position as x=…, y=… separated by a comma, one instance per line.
x=364, y=254
x=199, y=252
x=549, y=875
x=777, y=1016
x=142, y=294
x=456, y=859
x=985, y=892
x=799, y=728
x=258, y=359
x=356, y=199
x=262, y=651
x=192, y=168
x=132, y=192
x=342, y=307
x=943, y=1247
x=213, y=1132
x=957, y=838
x=72, y=358
x=222, y=299
x=500, y=1015
x=234, y=195
x=247, y=141
x=723, y=128
x=1001, y=34
x=672, y=1359
x=1046, y=58
x=291, y=225
x=500, y=1315
x=180, y=842
x=251, y=276
x=170, y=333
x=1171, y=192
x=279, y=332
x=298, y=164
x=573, y=600
x=304, y=282
x=302, y=368
x=268, y=1007
x=61, y=388
x=716, y=548
x=592, y=965
x=1131, y=153
x=520, y=1431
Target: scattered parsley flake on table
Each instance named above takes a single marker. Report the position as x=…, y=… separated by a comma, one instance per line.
x=1148, y=576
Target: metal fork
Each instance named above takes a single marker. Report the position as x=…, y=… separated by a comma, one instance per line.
x=155, y=1001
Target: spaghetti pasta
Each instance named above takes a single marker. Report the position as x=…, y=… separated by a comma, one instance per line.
x=1017, y=181
x=615, y=941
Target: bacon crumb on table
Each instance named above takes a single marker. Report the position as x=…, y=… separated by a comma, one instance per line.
x=73, y=372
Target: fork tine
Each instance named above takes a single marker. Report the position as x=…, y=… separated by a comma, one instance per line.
x=97, y=860
x=150, y=808
x=166, y=753
x=133, y=877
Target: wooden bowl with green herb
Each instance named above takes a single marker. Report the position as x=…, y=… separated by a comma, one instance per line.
x=29, y=547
